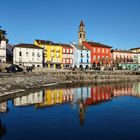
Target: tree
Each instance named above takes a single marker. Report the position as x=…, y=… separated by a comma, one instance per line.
x=2, y=34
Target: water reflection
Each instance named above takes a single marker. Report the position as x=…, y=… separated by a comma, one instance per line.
x=79, y=98
x=3, y=107
x=2, y=129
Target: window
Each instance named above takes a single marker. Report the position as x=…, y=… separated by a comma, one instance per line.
x=106, y=50
x=71, y=61
x=80, y=35
x=26, y=54
x=67, y=50
x=102, y=50
x=98, y=50
x=87, y=61
x=63, y=50
x=83, y=35
x=38, y=54
x=94, y=49
x=33, y=54
x=67, y=60
x=94, y=58
x=20, y=53
x=63, y=60
x=70, y=50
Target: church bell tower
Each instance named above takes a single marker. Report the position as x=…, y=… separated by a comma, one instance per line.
x=81, y=33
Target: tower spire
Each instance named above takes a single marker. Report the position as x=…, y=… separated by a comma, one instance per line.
x=81, y=33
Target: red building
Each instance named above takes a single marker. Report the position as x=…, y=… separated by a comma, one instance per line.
x=100, y=53
x=99, y=94
x=67, y=55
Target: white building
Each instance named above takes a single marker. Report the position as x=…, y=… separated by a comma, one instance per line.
x=3, y=50
x=30, y=99
x=28, y=55
x=82, y=56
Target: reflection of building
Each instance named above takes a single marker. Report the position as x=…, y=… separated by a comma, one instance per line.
x=123, y=89
x=2, y=129
x=82, y=93
x=29, y=99
x=136, y=89
x=56, y=96
x=99, y=94
x=3, y=107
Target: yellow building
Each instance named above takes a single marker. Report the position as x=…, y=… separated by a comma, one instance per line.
x=53, y=97
x=56, y=96
x=136, y=50
x=52, y=53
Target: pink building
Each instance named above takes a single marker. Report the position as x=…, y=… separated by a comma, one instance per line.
x=122, y=55
x=67, y=55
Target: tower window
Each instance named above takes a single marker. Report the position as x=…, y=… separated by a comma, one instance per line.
x=80, y=35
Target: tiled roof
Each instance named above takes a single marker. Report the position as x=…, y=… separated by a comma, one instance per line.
x=123, y=51
x=94, y=44
x=46, y=42
x=22, y=45
x=80, y=47
x=66, y=45
x=135, y=48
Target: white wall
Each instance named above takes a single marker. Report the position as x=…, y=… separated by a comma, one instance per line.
x=27, y=58
x=3, y=51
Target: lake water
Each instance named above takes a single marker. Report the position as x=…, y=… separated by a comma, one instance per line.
x=100, y=112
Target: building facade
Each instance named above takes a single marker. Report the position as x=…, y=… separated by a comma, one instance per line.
x=67, y=55
x=52, y=53
x=136, y=50
x=82, y=56
x=100, y=53
x=28, y=55
x=30, y=99
x=3, y=43
x=125, y=59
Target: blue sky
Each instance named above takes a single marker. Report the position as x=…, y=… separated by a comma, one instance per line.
x=111, y=22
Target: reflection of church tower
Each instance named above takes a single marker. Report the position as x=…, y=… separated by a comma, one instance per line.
x=81, y=33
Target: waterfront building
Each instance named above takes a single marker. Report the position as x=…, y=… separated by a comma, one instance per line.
x=136, y=50
x=30, y=99
x=3, y=43
x=52, y=53
x=125, y=59
x=67, y=55
x=100, y=53
x=27, y=55
x=82, y=56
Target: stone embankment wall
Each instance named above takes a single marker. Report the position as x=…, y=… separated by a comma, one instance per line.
x=11, y=83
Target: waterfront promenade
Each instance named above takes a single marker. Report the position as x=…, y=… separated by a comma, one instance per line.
x=43, y=78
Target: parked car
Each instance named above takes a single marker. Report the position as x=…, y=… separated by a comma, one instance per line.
x=14, y=68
